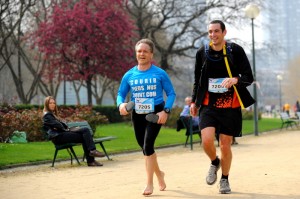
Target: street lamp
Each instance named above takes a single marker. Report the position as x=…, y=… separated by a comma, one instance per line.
x=252, y=11
x=279, y=78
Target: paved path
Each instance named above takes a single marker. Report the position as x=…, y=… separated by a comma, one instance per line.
x=264, y=166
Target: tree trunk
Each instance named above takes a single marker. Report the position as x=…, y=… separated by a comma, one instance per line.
x=77, y=91
x=89, y=89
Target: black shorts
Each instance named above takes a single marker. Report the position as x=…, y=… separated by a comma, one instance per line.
x=227, y=121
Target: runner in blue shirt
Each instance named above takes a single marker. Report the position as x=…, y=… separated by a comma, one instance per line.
x=147, y=84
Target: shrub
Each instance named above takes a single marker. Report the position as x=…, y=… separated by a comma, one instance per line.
x=30, y=120
x=249, y=115
x=81, y=113
x=5, y=121
x=112, y=113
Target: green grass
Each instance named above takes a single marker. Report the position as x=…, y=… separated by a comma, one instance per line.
x=265, y=124
x=126, y=138
x=34, y=152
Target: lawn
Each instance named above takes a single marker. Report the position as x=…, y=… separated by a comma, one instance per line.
x=36, y=152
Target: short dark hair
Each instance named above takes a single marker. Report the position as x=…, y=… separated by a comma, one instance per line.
x=219, y=22
x=149, y=42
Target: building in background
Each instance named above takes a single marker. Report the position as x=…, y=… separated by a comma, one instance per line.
x=281, y=32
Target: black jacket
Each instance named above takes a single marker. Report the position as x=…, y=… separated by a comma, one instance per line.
x=53, y=126
x=239, y=66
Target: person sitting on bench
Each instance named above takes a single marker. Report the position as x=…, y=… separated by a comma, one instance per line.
x=59, y=132
x=186, y=112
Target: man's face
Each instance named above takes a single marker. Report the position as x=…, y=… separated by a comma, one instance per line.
x=215, y=34
x=143, y=54
x=188, y=101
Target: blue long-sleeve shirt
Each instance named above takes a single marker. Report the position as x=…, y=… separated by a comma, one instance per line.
x=147, y=84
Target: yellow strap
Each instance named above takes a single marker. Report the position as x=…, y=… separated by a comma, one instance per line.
x=230, y=75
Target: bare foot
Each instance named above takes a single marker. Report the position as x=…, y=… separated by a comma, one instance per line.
x=148, y=190
x=161, y=182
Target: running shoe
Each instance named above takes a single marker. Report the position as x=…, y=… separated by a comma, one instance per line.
x=211, y=177
x=224, y=186
x=129, y=106
x=151, y=117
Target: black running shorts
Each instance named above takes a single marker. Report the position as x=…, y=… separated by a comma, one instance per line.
x=227, y=121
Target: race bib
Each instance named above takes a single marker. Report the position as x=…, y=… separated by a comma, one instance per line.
x=214, y=85
x=144, y=105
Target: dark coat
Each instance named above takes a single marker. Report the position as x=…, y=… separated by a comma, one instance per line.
x=53, y=126
x=241, y=69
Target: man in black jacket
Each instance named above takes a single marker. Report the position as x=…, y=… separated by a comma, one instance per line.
x=220, y=93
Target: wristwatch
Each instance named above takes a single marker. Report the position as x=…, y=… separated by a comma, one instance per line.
x=167, y=110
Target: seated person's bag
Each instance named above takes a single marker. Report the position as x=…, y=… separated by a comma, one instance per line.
x=51, y=134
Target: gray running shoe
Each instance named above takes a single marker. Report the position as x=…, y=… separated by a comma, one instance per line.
x=224, y=186
x=129, y=106
x=211, y=177
x=151, y=117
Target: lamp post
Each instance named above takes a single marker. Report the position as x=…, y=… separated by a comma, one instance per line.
x=252, y=11
x=279, y=78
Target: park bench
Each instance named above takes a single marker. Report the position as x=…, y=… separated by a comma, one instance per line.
x=69, y=146
x=287, y=121
x=190, y=130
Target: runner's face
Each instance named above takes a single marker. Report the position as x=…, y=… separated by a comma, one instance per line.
x=143, y=54
x=215, y=34
x=52, y=104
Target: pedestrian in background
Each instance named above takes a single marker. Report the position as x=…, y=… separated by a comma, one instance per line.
x=286, y=108
x=186, y=112
x=297, y=109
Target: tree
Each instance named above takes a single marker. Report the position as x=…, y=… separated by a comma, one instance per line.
x=12, y=51
x=91, y=37
x=178, y=27
x=100, y=86
x=21, y=64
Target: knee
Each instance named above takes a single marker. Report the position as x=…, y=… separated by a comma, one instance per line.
x=148, y=151
x=86, y=131
x=225, y=147
x=207, y=141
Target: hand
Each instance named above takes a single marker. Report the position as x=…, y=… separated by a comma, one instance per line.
x=122, y=109
x=163, y=116
x=193, y=110
x=229, y=82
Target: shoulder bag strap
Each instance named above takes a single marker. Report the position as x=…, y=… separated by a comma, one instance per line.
x=230, y=75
